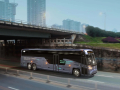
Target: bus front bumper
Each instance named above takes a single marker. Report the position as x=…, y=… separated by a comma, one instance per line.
x=92, y=72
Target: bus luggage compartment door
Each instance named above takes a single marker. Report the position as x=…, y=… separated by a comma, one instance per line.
x=56, y=62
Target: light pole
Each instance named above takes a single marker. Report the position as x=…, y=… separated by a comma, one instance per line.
x=101, y=13
x=84, y=28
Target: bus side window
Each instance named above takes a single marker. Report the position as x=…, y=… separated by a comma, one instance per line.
x=49, y=59
x=62, y=62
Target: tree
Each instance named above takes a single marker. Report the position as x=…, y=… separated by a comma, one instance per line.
x=97, y=32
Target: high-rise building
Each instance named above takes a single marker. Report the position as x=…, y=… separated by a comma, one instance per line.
x=56, y=26
x=83, y=26
x=7, y=10
x=36, y=10
x=71, y=25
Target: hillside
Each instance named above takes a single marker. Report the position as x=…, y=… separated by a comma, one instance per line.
x=97, y=42
x=91, y=39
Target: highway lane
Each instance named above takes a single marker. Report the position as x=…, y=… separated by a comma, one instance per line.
x=12, y=83
x=79, y=82
x=102, y=78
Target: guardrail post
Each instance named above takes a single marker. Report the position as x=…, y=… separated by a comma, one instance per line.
x=31, y=76
x=95, y=86
x=17, y=74
x=6, y=71
x=48, y=79
x=68, y=83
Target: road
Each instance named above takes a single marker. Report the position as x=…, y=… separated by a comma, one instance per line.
x=104, y=80
x=12, y=83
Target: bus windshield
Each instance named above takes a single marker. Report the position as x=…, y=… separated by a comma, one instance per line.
x=91, y=59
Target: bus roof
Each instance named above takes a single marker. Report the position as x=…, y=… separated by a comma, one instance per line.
x=57, y=49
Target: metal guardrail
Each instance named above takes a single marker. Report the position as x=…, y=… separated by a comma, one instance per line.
x=25, y=23
x=48, y=79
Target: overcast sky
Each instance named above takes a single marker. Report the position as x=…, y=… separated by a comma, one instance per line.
x=84, y=11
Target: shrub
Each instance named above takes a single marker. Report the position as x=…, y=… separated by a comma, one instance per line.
x=110, y=40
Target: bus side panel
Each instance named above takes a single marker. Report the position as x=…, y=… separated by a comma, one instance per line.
x=24, y=61
x=38, y=62
x=67, y=68
x=75, y=65
x=46, y=65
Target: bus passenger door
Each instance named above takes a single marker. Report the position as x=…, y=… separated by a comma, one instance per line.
x=83, y=66
x=55, y=62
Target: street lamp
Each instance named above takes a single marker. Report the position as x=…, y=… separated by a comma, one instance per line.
x=83, y=28
x=101, y=13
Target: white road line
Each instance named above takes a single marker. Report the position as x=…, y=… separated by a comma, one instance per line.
x=13, y=88
x=88, y=81
x=95, y=81
x=105, y=76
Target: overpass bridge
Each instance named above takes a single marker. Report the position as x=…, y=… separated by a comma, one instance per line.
x=15, y=29
x=30, y=36
x=21, y=30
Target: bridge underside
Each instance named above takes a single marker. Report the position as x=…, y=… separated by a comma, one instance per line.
x=25, y=37
x=32, y=32
x=8, y=37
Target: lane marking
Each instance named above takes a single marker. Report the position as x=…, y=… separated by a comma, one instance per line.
x=85, y=81
x=105, y=76
x=13, y=88
x=95, y=81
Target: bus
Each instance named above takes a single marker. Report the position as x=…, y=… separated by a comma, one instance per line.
x=74, y=61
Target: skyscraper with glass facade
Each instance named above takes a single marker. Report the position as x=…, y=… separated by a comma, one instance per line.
x=36, y=10
x=7, y=10
x=71, y=25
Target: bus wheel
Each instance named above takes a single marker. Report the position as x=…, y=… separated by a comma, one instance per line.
x=34, y=67
x=29, y=66
x=76, y=72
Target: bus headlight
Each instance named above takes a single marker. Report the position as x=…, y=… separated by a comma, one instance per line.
x=89, y=67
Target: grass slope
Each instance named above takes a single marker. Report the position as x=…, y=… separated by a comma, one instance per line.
x=97, y=42
x=92, y=39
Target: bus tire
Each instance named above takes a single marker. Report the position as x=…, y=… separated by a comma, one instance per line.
x=34, y=67
x=76, y=72
x=29, y=66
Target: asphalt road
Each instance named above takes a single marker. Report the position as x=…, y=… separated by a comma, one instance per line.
x=104, y=80
x=12, y=83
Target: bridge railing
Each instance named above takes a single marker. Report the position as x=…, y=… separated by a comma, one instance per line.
x=22, y=22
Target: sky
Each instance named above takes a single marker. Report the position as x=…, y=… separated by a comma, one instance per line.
x=84, y=11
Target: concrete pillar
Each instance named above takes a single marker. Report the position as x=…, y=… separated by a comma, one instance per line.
x=49, y=42
x=5, y=42
x=43, y=41
x=15, y=42
x=64, y=40
x=73, y=36
x=56, y=42
x=15, y=46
